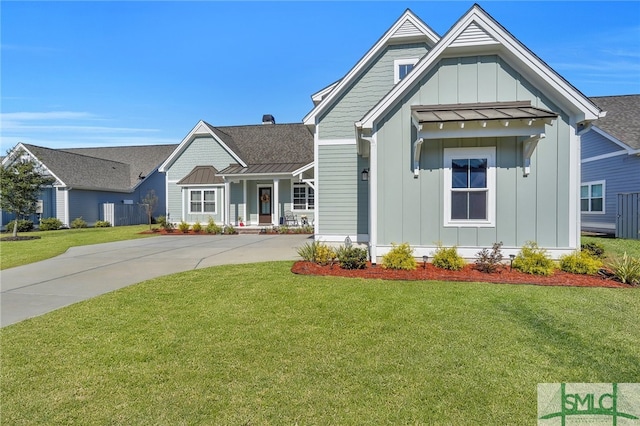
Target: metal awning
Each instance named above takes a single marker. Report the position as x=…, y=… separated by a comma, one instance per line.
x=201, y=175
x=479, y=112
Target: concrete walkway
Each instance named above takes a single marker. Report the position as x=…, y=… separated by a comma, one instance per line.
x=88, y=271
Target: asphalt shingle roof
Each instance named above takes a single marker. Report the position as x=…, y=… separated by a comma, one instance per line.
x=623, y=118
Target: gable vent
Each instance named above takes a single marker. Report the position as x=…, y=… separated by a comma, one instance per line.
x=407, y=29
x=268, y=119
x=473, y=35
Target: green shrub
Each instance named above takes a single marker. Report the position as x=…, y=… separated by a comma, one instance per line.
x=594, y=249
x=183, y=227
x=580, y=262
x=352, y=257
x=448, y=258
x=197, y=227
x=308, y=251
x=626, y=269
x=533, y=260
x=212, y=228
x=165, y=224
x=400, y=257
x=24, y=225
x=78, y=223
x=229, y=230
x=324, y=255
x=489, y=261
x=103, y=224
x=50, y=224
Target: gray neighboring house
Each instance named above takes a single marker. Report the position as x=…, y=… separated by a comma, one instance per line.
x=256, y=173
x=87, y=179
x=610, y=160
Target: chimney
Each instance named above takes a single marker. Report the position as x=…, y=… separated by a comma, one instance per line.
x=268, y=119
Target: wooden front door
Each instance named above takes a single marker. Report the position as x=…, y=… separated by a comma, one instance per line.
x=264, y=205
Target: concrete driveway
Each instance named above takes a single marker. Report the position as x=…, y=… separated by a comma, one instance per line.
x=88, y=271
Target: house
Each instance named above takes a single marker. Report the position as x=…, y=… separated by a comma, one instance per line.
x=87, y=179
x=461, y=140
x=610, y=160
x=252, y=174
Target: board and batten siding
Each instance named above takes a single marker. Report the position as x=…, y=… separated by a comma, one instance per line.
x=202, y=151
x=533, y=208
x=366, y=91
x=342, y=196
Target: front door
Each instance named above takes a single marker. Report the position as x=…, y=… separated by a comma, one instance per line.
x=264, y=203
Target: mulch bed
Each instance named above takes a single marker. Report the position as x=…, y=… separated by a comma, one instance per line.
x=468, y=274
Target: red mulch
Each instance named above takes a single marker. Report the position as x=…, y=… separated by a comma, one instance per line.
x=468, y=274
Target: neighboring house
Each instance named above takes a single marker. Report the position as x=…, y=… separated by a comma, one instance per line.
x=255, y=172
x=610, y=163
x=88, y=178
x=461, y=140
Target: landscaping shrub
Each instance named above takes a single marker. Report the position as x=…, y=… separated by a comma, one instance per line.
x=197, y=227
x=78, y=223
x=103, y=224
x=533, y=260
x=183, y=227
x=165, y=224
x=24, y=225
x=594, y=249
x=212, y=228
x=580, y=262
x=324, y=255
x=308, y=251
x=50, y=224
x=626, y=269
x=400, y=257
x=352, y=257
x=448, y=258
x=490, y=261
x=229, y=230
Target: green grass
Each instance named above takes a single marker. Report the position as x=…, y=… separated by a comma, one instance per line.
x=255, y=344
x=615, y=246
x=54, y=243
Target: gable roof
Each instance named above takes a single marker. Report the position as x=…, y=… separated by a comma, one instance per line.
x=289, y=146
x=92, y=169
x=407, y=28
x=622, y=120
x=477, y=31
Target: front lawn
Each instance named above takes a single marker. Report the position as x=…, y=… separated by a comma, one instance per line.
x=54, y=243
x=255, y=344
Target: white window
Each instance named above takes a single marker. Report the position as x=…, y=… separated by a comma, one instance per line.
x=303, y=197
x=202, y=201
x=402, y=67
x=592, y=197
x=469, y=187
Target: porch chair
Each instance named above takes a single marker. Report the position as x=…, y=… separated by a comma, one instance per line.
x=290, y=219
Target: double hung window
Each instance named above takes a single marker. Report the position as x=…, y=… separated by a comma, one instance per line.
x=303, y=197
x=592, y=197
x=202, y=201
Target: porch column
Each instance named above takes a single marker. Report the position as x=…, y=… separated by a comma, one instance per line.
x=227, y=205
x=244, y=202
x=276, y=201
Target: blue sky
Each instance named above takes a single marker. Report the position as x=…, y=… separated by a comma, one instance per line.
x=77, y=74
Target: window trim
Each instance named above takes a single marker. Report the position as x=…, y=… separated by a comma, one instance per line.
x=202, y=201
x=306, y=196
x=604, y=193
x=479, y=152
x=396, y=66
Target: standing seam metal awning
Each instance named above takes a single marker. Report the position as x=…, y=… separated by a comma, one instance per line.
x=479, y=112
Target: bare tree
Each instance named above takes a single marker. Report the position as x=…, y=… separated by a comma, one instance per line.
x=150, y=202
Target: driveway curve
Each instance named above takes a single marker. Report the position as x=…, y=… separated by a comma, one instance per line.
x=88, y=271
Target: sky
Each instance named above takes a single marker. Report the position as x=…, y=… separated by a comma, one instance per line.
x=114, y=73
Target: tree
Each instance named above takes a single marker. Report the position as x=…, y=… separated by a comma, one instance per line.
x=150, y=202
x=20, y=184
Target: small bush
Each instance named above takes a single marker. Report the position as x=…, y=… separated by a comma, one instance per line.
x=184, y=227
x=490, y=261
x=165, y=224
x=533, y=260
x=448, y=258
x=212, y=228
x=325, y=255
x=400, y=257
x=103, y=224
x=78, y=223
x=229, y=230
x=197, y=227
x=50, y=224
x=626, y=269
x=594, y=249
x=352, y=257
x=580, y=262
x=24, y=225
x=308, y=251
